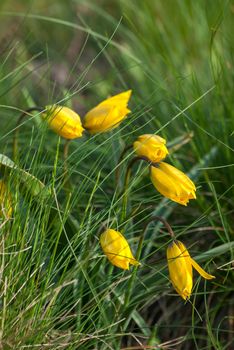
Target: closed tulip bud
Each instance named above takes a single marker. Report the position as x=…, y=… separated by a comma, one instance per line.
x=64, y=121
x=180, y=265
x=173, y=183
x=5, y=202
x=117, y=249
x=108, y=114
x=151, y=146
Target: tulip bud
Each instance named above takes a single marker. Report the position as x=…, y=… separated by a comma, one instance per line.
x=5, y=202
x=151, y=146
x=108, y=114
x=172, y=183
x=117, y=249
x=180, y=266
x=64, y=121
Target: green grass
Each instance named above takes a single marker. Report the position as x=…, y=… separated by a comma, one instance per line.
x=57, y=289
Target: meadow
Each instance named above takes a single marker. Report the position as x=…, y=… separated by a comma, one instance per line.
x=60, y=286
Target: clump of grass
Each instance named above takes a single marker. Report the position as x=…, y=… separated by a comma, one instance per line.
x=57, y=290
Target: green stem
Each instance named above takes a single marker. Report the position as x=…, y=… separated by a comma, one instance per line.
x=16, y=133
x=67, y=184
x=138, y=255
x=126, y=183
x=117, y=171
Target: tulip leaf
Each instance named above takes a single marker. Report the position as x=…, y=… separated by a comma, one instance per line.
x=179, y=141
x=6, y=162
x=141, y=323
x=216, y=251
x=28, y=182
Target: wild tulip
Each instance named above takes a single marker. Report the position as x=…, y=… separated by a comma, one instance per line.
x=64, y=121
x=151, y=146
x=117, y=249
x=180, y=265
x=172, y=183
x=108, y=114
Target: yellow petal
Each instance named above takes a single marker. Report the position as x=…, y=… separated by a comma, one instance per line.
x=108, y=114
x=151, y=146
x=117, y=249
x=180, y=270
x=101, y=119
x=64, y=121
x=186, y=255
x=152, y=138
x=173, y=183
x=164, y=184
x=180, y=266
x=203, y=273
x=119, y=99
x=177, y=174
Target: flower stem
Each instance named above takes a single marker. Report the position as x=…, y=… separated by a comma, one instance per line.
x=138, y=255
x=117, y=171
x=141, y=239
x=126, y=183
x=16, y=133
x=67, y=183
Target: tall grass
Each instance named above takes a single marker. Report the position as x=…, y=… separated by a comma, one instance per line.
x=58, y=290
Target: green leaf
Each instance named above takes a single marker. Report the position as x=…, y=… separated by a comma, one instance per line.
x=29, y=183
x=214, y=252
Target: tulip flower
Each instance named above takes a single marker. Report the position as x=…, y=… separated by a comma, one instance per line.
x=108, y=114
x=64, y=121
x=180, y=265
x=151, y=146
x=172, y=183
x=5, y=201
x=117, y=249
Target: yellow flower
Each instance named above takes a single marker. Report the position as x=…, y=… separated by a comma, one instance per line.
x=172, y=183
x=117, y=249
x=151, y=146
x=5, y=202
x=64, y=121
x=108, y=114
x=180, y=265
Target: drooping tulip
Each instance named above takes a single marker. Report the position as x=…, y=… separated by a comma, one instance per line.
x=117, y=249
x=180, y=265
x=64, y=121
x=172, y=183
x=108, y=114
x=151, y=146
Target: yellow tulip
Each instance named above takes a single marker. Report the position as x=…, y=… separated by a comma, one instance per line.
x=5, y=202
x=151, y=146
x=108, y=114
x=172, y=183
x=117, y=249
x=180, y=265
x=64, y=121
